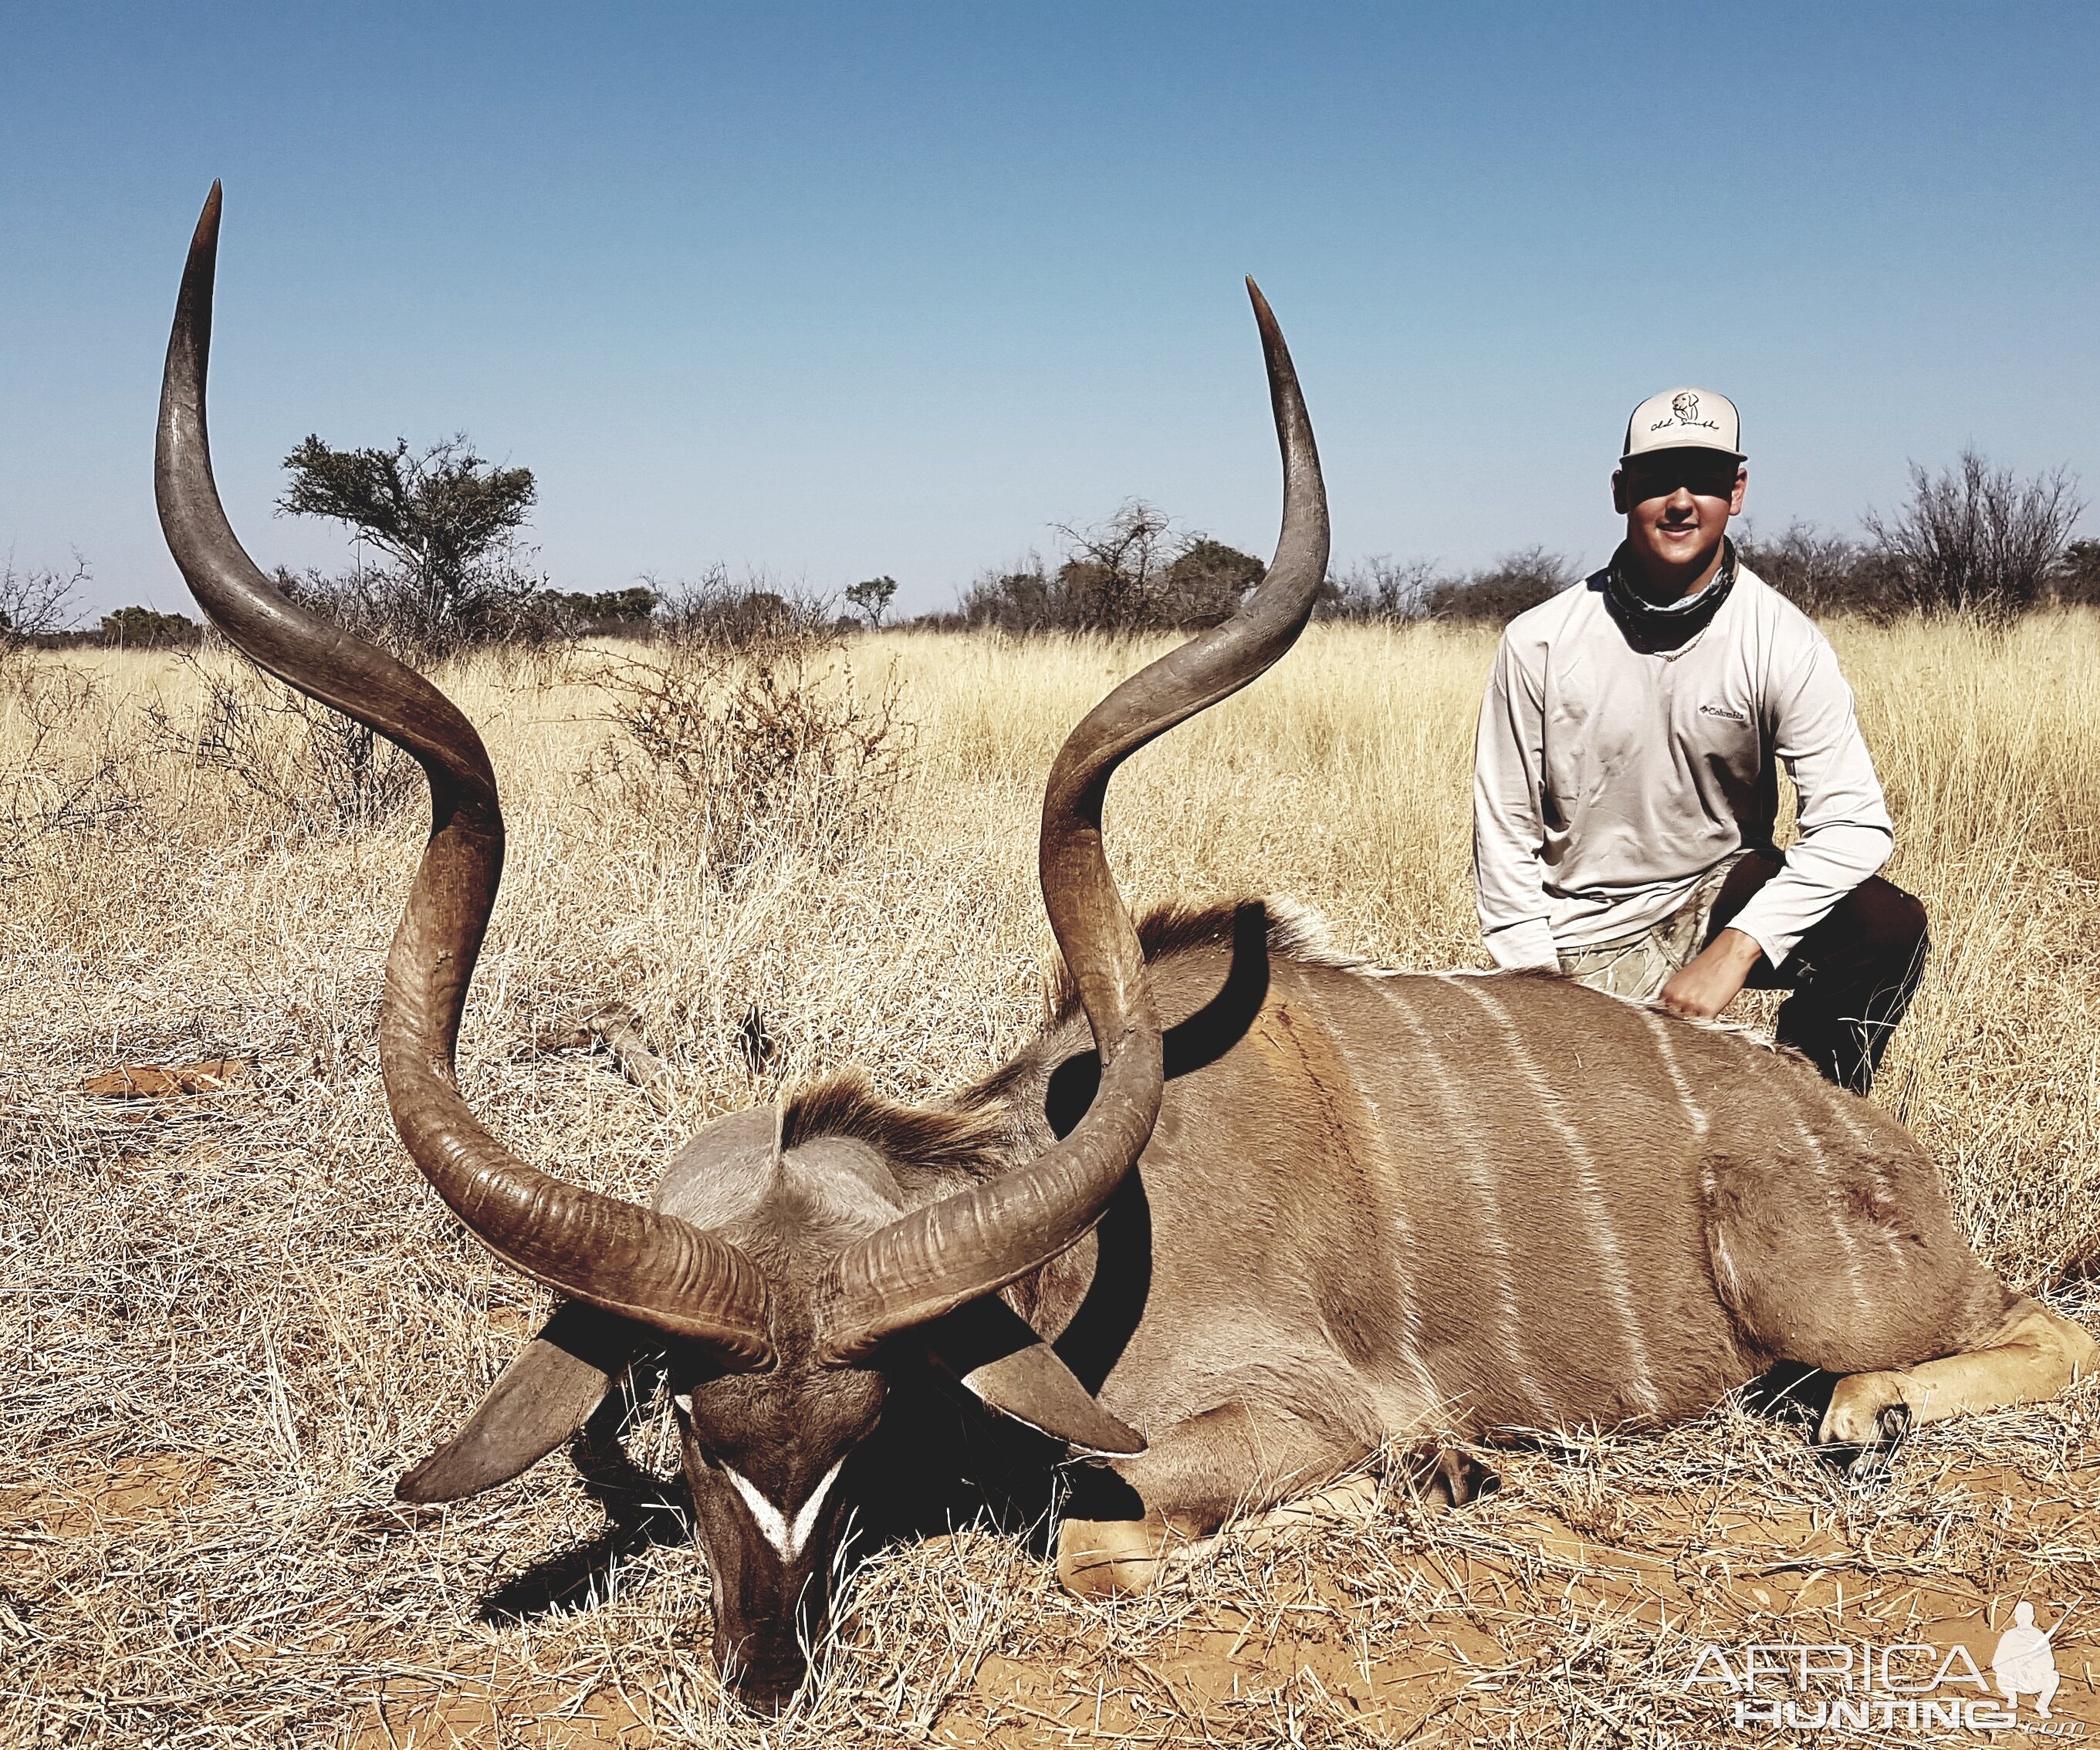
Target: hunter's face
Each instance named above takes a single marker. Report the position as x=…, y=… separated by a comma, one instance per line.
x=1676, y=504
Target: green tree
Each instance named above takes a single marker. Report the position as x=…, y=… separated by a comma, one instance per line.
x=1515, y=582
x=1205, y=584
x=145, y=628
x=872, y=597
x=2078, y=578
x=445, y=518
x=628, y=609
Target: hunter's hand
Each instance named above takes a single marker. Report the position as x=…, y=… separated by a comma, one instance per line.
x=1714, y=976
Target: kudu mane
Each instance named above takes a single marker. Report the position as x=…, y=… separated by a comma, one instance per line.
x=974, y=1133
x=1293, y=931
x=969, y=1137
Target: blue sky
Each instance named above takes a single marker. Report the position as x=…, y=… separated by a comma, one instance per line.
x=835, y=290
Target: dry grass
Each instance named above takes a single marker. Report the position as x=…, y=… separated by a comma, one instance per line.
x=229, y=1318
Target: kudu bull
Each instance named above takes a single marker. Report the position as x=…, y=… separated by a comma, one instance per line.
x=1327, y=1210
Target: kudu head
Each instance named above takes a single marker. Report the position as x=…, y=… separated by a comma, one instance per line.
x=781, y=1274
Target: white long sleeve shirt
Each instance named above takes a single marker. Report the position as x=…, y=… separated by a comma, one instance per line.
x=1607, y=779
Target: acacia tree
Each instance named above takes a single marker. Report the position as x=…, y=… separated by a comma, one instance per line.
x=445, y=518
x=871, y=596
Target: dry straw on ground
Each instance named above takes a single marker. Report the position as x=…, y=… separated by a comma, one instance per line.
x=230, y=1313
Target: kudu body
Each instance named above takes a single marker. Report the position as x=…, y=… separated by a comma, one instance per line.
x=1322, y=1210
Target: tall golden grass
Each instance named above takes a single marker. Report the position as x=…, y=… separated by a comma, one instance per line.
x=228, y=1320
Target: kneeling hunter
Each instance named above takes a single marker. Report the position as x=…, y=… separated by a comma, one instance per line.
x=1626, y=778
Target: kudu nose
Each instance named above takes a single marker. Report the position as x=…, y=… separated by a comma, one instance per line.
x=764, y=1678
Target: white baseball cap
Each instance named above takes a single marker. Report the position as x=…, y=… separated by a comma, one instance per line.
x=1684, y=419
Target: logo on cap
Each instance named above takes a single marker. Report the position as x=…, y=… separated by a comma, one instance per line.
x=1684, y=418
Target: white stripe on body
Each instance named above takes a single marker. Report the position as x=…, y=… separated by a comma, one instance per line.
x=1596, y=1215
x=1861, y=1136
x=1480, y=1180
x=1702, y=1123
x=1410, y=1314
x=1835, y=1205
x=1726, y=1277
x=1869, y=1146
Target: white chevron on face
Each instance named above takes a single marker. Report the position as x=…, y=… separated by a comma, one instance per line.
x=787, y=1539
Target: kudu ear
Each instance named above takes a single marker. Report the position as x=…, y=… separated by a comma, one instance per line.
x=998, y=1356
x=543, y=1398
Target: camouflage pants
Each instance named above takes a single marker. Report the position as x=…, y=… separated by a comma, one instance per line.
x=1639, y=965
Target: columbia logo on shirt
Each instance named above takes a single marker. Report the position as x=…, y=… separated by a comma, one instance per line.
x=1723, y=710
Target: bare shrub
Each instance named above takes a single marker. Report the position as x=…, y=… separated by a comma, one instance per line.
x=1114, y=570
x=1975, y=540
x=33, y=603
x=311, y=768
x=1132, y=572
x=1501, y=591
x=745, y=721
x=65, y=770
x=389, y=606
x=1380, y=588
x=1819, y=573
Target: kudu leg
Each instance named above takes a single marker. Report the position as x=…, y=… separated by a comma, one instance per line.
x=1101, y=1558
x=1195, y=1477
x=2034, y=1355
x=1098, y=1558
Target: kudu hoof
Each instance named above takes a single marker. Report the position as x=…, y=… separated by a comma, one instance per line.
x=1865, y=1424
x=1443, y=1480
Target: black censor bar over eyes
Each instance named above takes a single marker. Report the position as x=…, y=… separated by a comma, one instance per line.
x=1659, y=474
